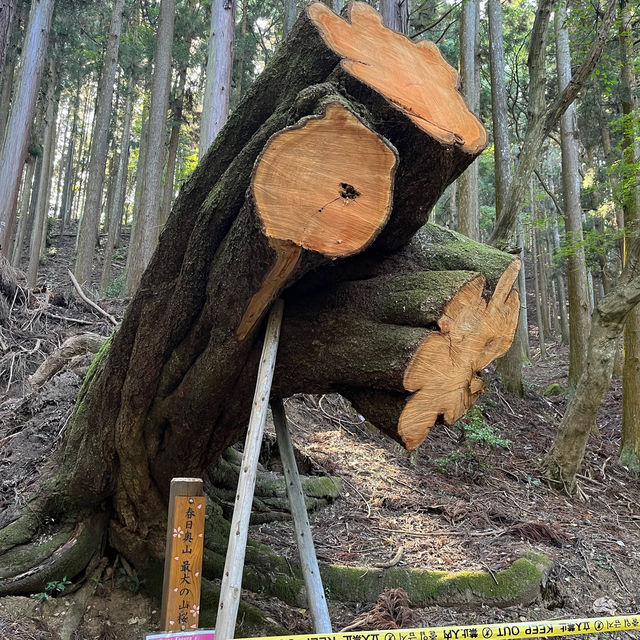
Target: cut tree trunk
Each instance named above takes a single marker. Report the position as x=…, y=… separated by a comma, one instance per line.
x=403, y=349
x=327, y=165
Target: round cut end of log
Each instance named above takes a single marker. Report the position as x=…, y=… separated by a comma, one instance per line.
x=443, y=371
x=326, y=185
x=414, y=77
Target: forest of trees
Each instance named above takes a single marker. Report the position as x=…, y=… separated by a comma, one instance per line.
x=107, y=108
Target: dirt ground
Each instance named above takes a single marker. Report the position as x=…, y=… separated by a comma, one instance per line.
x=472, y=497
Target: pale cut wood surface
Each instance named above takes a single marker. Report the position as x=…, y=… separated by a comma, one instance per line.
x=443, y=371
x=413, y=76
x=325, y=186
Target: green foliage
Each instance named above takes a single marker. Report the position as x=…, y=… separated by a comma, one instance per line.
x=116, y=287
x=53, y=588
x=453, y=459
x=476, y=431
x=131, y=580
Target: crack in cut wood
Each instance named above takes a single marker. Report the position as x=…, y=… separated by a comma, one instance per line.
x=347, y=192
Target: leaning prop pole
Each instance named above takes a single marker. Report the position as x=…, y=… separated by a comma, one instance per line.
x=234, y=563
x=308, y=560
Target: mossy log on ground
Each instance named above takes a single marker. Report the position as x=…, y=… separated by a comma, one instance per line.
x=266, y=572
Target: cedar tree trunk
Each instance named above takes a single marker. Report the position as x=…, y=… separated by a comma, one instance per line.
x=314, y=187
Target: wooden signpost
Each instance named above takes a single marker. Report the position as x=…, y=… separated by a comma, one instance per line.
x=183, y=556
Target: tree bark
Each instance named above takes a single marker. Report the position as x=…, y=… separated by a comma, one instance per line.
x=630, y=443
x=14, y=147
x=290, y=15
x=7, y=9
x=579, y=310
x=567, y=451
x=510, y=366
x=6, y=87
x=90, y=222
x=65, y=205
x=536, y=269
x=17, y=242
x=395, y=15
x=42, y=212
x=151, y=193
x=174, y=140
x=468, y=213
x=215, y=108
x=117, y=204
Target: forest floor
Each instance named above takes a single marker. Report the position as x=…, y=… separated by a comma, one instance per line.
x=471, y=498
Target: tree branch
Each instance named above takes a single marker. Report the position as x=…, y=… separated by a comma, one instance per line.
x=545, y=186
x=89, y=302
x=541, y=120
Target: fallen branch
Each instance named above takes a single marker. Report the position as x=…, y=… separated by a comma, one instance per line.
x=393, y=562
x=89, y=302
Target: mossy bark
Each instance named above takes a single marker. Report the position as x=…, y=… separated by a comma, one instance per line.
x=270, y=501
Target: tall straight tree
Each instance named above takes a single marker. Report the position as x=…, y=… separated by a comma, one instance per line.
x=88, y=230
x=579, y=309
x=151, y=195
x=395, y=14
x=7, y=9
x=468, y=214
x=509, y=366
x=117, y=202
x=174, y=141
x=536, y=270
x=215, y=107
x=630, y=444
x=16, y=140
x=65, y=204
x=38, y=230
x=542, y=118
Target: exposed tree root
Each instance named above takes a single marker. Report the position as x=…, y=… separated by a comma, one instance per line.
x=84, y=344
x=55, y=551
x=265, y=572
x=270, y=500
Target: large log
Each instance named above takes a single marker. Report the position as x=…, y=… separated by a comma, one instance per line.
x=404, y=349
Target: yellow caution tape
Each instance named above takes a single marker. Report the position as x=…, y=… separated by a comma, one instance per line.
x=496, y=631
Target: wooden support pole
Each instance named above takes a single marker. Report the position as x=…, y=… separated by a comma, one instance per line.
x=180, y=487
x=308, y=561
x=234, y=563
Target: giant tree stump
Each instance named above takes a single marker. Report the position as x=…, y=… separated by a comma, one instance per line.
x=312, y=190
